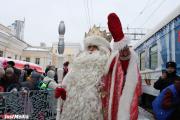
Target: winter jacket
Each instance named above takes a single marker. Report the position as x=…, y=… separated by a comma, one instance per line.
x=160, y=84
x=163, y=106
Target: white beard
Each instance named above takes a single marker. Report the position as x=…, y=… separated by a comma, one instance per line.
x=87, y=59
x=83, y=100
x=87, y=64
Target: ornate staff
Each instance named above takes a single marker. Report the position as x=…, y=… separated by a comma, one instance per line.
x=61, y=31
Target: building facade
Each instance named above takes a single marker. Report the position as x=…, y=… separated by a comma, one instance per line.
x=13, y=46
x=37, y=55
x=70, y=51
x=10, y=45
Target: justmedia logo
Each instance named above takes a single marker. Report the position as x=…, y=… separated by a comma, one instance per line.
x=12, y=116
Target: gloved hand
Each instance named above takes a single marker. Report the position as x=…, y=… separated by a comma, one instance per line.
x=60, y=92
x=115, y=27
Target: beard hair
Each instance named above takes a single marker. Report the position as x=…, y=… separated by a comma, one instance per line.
x=89, y=59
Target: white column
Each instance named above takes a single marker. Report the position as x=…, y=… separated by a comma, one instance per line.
x=167, y=44
x=173, y=41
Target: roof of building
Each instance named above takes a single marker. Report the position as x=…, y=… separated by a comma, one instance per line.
x=8, y=32
x=36, y=49
x=164, y=22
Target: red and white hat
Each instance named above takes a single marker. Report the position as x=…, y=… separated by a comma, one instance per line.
x=115, y=28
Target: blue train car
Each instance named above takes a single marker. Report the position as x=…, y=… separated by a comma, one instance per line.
x=157, y=48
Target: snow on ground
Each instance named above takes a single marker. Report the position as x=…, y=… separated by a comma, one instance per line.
x=144, y=115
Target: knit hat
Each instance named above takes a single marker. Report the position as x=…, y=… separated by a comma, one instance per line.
x=51, y=74
x=171, y=64
x=66, y=63
x=12, y=63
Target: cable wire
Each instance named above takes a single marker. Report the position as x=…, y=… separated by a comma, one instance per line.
x=86, y=14
x=88, y=10
x=154, y=11
x=147, y=5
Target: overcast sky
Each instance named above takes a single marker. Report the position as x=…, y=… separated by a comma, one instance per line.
x=42, y=17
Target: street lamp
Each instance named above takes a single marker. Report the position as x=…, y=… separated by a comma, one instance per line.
x=61, y=31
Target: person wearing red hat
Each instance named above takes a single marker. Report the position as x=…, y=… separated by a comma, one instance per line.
x=102, y=84
x=122, y=84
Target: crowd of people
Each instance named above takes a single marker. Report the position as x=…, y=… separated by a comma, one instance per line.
x=166, y=105
x=13, y=79
x=102, y=84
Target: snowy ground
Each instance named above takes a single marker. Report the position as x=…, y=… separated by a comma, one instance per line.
x=144, y=115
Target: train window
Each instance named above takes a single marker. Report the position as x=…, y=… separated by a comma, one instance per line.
x=153, y=58
x=142, y=60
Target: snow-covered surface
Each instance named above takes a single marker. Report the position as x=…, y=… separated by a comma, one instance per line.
x=150, y=90
x=36, y=49
x=165, y=21
x=144, y=115
x=5, y=29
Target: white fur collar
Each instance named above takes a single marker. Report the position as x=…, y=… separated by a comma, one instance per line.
x=129, y=89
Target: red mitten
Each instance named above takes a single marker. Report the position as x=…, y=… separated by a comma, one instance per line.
x=115, y=27
x=60, y=92
x=1, y=89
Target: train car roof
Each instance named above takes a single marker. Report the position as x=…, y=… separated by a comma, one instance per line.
x=164, y=22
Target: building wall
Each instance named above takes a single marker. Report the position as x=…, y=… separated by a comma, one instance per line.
x=10, y=46
x=70, y=50
x=45, y=57
x=14, y=48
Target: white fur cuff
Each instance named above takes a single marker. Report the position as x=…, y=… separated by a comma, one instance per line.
x=121, y=44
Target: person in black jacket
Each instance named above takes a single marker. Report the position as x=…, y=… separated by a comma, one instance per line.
x=33, y=82
x=25, y=73
x=10, y=80
x=65, y=68
x=167, y=77
x=2, y=74
x=17, y=71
